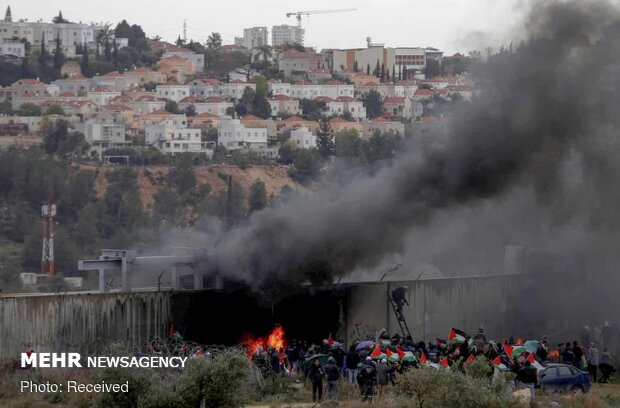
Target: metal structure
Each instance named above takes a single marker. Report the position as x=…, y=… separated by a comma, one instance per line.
x=400, y=318
x=298, y=14
x=121, y=259
x=48, y=212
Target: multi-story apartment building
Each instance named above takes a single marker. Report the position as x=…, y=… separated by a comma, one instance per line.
x=283, y=34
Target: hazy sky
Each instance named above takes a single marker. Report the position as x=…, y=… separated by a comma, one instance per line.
x=451, y=25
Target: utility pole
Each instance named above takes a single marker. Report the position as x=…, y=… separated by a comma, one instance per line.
x=48, y=212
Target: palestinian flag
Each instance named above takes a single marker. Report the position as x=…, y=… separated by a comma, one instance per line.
x=514, y=351
x=441, y=343
x=385, y=342
x=532, y=359
x=445, y=362
x=330, y=341
x=172, y=331
x=470, y=358
x=457, y=336
x=497, y=363
x=377, y=354
x=403, y=356
x=423, y=359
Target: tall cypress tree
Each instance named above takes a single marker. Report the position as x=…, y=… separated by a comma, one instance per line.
x=367, y=69
x=107, y=50
x=59, y=57
x=43, y=56
x=393, y=73
x=85, y=66
x=115, y=54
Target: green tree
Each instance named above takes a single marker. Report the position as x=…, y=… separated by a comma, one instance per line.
x=85, y=64
x=261, y=84
x=214, y=41
x=59, y=57
x=349, y=144
x=55, y=109
x=183, y=176
x=356, y=67
x=368, y=69
x=247, y=99
x=166, y=206
x=374, y=104
x=107, y=50
x=29, y=109
x=171, y=106
x=307, y=165
x=257, y=199
x=190, y=111
x=59, y=19
x=261, y=106
x=286, y=153
x=229, y=204
x=325, y=139
x=43, y=56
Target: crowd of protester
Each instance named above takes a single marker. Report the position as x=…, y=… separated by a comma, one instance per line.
x=364, y=364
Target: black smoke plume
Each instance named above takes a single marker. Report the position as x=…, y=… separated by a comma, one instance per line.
x=542, y=132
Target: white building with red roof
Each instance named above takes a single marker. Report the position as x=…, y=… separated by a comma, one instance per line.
x=294, y=63
x=382, y=125
x=284, y=104
x=102, y=96
x=343, y=105
x=422, y=94
x=173, y=91
x=146, y=75
x=204, y=88
x=279, y=88
x=233, y=135
x=303, y=138
x=234, y=89
x=197, y=60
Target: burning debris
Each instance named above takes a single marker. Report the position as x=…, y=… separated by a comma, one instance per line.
x=276, y=340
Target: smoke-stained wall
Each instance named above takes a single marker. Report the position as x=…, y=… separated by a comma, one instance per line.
x=500, y=304
x=81, y=322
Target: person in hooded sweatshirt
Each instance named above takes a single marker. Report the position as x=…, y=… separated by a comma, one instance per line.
x=332, y=372
x=315, y=375
x=383, y=375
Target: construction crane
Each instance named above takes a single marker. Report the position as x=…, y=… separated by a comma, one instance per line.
x=298, y=14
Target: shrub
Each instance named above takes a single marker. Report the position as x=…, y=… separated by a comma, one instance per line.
x=446, y=388
x=220, y=380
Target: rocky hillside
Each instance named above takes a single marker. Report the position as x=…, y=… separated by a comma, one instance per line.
x=152, y=177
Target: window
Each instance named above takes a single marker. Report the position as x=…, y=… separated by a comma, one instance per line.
x=550, y=373
x=564, y=371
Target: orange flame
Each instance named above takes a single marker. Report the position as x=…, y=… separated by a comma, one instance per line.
x=275, y=339
x=554, y=355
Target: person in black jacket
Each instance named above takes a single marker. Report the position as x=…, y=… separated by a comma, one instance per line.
x=293, y=353
x=315, y=375
x=367, y=378
x=527, y=375
x=352, y=360
x=332, y=372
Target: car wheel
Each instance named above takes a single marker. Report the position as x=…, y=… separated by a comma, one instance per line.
x=577, y=389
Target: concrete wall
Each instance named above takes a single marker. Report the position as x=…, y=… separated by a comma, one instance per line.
x=81, y=322
x=435, y=305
